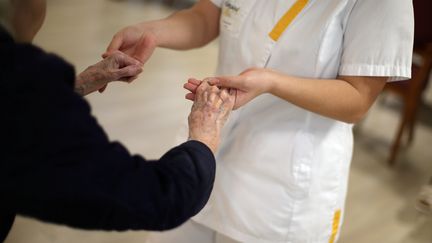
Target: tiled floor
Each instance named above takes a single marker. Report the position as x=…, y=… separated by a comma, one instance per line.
x=146, y=114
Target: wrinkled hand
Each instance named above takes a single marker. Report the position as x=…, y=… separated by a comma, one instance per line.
x=210, y=111
x=136, y=41
x=249, y=84
x=116, y=67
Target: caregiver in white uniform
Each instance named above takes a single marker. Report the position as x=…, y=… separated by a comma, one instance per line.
x=308, y=71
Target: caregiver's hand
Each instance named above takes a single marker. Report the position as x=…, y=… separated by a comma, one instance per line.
x=137, y=41
x=249, y=84
x=210, y=111
x=117, y=66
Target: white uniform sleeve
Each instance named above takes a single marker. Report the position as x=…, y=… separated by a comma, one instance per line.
x=217, y=2
x=378, y=39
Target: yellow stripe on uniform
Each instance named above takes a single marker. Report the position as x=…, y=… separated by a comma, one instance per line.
x=286, y=20
x=335, y=228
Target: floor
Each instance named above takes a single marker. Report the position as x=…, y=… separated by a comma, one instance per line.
x=146, y=114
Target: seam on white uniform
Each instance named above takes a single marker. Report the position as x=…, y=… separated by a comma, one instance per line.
x=395, y=72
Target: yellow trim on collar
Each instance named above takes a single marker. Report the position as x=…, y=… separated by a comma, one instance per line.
x=288, y=17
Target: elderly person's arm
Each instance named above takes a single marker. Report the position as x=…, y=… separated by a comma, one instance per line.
x=76, y=176
x=209, y=113
x=115, y=67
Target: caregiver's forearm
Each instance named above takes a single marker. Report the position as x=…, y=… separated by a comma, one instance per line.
x=346, y=99
x=188, y=28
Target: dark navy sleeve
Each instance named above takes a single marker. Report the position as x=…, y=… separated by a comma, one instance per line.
x=109, y=189
x=58, y=164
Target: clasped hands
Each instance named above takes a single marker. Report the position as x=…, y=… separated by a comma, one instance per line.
x=132, y=47
x=118, y=66
x=214, y=98
x=122, y=67
x=248, y=85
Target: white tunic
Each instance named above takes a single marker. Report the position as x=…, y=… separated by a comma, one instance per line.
x=282, y=171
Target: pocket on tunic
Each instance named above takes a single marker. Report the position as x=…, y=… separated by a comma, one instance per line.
x=301, y=165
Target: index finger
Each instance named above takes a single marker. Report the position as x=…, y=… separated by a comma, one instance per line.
x=114, y=45
x=194, y=81
x=127, y=60
x=235, y=82
x=202, y=87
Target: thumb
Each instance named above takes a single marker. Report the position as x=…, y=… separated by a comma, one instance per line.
x=101, y=90
x=115, y=45
x=235, y=82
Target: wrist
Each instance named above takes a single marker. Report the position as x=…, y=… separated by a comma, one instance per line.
x=85, y=80
x=272, y=81
x=80, y=90
x=151, y=31
x=79, y=83
x=212, y=144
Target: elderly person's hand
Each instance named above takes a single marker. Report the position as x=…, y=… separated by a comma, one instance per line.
x=116, y=67
x=209, y=113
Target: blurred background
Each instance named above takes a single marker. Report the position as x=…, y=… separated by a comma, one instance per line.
x=147, y=114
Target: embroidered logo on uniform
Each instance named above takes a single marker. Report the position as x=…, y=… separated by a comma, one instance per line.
x=230, y=9
x=231, y=6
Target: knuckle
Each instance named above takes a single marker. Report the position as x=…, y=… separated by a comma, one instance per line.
x=224, y=96
x=201, y=88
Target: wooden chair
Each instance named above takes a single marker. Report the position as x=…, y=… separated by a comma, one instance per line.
x=411, y=90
